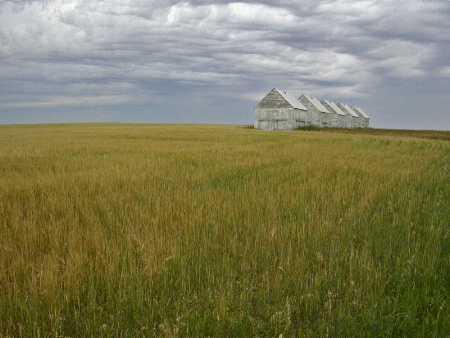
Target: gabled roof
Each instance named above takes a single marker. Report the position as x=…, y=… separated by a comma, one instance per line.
x=350, y=110
x=359, y=110
x=316, y=103
x=279, y=99
x=335, y=107
x=291, y=99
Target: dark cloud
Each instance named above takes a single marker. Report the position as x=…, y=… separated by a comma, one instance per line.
x=203, y=61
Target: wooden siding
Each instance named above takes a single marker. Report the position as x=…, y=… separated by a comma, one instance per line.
x=278, y=111
x=273, y=100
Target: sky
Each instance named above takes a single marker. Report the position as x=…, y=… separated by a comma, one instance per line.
x=167, y=61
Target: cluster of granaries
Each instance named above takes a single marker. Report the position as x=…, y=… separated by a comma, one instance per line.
x=280, y=110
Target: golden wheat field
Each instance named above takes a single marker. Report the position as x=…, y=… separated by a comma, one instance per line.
x=222, y=231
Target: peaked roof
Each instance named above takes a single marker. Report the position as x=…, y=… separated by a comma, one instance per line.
x=335, y=107
x=359, y=110
x=350, y=110
x=316, y=103
x=291, y=99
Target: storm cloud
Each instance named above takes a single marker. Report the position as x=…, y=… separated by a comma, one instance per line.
x=212, y=61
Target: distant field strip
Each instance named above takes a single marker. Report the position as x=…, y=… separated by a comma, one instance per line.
x=222, y=231
x=429, y=134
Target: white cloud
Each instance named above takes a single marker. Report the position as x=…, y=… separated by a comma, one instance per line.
x=70, y=101
x=402, y=58
x=61, y=48
x=242, y=14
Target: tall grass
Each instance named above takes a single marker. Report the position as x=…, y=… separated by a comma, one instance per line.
x=138, y=230
x=429, y=134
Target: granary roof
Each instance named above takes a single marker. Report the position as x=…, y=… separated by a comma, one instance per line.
x=291, y=99
x=359, y=110
x=350, y=110
x=335, y=107
x=279, y=99
x=316, y=103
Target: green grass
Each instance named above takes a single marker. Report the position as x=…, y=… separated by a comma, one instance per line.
x=175, y=230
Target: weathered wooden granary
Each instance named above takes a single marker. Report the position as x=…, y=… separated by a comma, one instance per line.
x=279, y=110
x=339, y=117
x=318, y=114
x=362, y=114
x=352, y=118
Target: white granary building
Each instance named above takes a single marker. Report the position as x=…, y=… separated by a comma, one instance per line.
x=279, y=110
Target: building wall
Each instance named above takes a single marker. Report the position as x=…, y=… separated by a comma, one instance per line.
x=360, y=120
x=279, y=118
x=364, y=123
x=315, y=117
x=337, y=121
x=350, y=121
x=273, y=100
x=273, y=112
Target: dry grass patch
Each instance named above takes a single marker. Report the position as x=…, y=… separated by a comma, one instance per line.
x=155, y=230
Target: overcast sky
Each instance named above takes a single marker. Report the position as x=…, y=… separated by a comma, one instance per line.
x=212, y=61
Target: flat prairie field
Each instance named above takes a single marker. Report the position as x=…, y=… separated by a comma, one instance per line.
x=222, y=231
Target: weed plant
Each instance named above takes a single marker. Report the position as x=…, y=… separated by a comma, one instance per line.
x=221, y=231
